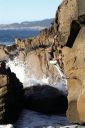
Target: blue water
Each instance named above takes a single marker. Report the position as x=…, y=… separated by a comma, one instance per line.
x=8, y=36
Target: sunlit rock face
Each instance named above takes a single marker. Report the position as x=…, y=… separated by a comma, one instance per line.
x=74, y=65
x=3, y=93
x=70, y=25
x=3, y=55
x=67, y=12
x=36, y=62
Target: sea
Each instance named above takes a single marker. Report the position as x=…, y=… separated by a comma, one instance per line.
x=8, y=36
x=29, y=118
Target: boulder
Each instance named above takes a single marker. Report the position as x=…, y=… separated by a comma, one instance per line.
x=45, y=99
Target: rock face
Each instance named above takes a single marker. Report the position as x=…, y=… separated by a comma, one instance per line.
x=3, y=93
x=67, y=12
x=69, y=30
x=81, y=7
x=11, y=96
x=36, y=62
x=74, y=69
x=39, y=68
x=3, y=55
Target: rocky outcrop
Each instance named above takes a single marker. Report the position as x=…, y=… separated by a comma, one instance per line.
x=74, y=69
x=3, y=93
x=11, y=95
x=38, y=66
x=3, y=54
x=67, y=12
x=36, y=63
x=45, y=99
x=71, y=27
x=22, y=44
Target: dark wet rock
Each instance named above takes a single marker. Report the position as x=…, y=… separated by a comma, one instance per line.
x=11, y=95
x=45, y=99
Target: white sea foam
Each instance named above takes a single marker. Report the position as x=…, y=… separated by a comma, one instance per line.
x=27, y=79
x=6, y=126
x=61, y=83
x=20, y=70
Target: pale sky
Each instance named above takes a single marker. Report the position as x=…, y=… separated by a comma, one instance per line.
x=27, y=10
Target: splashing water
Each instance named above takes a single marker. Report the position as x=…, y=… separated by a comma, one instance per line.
x=62, y=81
x=19, y=68
x=6, y=126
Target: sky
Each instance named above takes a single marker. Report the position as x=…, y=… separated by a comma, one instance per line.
x=12, y=11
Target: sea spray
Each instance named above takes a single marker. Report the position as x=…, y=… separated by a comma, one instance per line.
x=19, y=68
x=22, y=73
x=6, y=126
x=61, y=83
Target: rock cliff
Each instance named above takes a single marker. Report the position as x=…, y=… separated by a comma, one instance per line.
x=72, y=30
x=74, y=69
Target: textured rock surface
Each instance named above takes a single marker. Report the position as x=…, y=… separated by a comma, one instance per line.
x=67, y=12
x=3, y=55
x=38, y=66
x=3, y=93
x=37, y=63
x=81, y=7
x=74, y=65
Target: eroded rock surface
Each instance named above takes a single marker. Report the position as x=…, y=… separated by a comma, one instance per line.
x=67, y=12
x=74, y=63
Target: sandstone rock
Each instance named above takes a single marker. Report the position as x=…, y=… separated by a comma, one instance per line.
x=21, y=56
x=3, y=55
x=3, y=93
x=67, y=12
x=39, y=68
x=81, y=7
x=74, y=64
x=23, y=44
x=36, y=63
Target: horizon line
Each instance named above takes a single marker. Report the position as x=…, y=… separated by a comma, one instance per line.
x=26, y=21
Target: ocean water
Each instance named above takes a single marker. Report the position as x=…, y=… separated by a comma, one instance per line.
x=7, y=37
x=31, y=119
